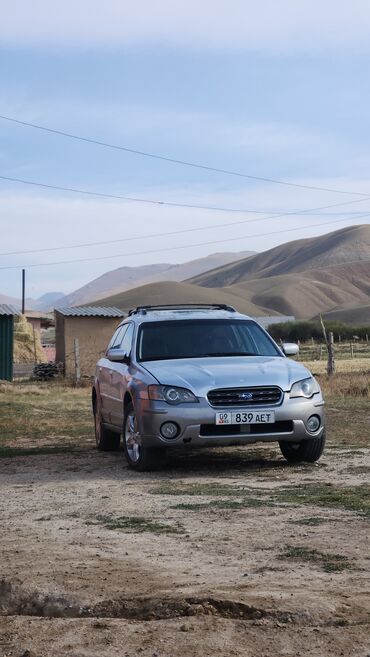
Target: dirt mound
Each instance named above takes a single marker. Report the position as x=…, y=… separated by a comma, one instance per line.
x=15, y=602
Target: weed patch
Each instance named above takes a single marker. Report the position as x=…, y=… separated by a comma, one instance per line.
x=330, y=563
x=349, y=498
x=312, y=521
x=136, y=524
x=245, y=503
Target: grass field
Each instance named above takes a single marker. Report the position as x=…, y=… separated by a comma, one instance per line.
x=44, y=417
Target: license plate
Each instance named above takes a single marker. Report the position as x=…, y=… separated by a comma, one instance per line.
x=247, y=417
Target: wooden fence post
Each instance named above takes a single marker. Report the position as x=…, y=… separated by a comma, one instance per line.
x=331, y=363
x=329, y=341
x=76, y=350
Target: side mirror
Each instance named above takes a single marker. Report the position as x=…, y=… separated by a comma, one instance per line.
x=290, y=348
x=118, y=356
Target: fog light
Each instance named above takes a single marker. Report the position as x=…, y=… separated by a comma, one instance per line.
x=313, y=423
x=169, y=430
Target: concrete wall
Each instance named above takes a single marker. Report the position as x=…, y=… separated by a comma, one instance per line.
x=93, y=334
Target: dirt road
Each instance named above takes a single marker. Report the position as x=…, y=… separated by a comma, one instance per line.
x=227, y=552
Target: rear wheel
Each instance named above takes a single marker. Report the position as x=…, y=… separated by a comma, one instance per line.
x=308, y=450
x=138, y=455
x=106, y=440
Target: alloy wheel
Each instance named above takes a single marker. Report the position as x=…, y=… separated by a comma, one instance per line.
x=132, y=438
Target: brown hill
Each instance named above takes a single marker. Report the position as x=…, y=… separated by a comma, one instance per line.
x=178, y=292
x=302, y=278
x=358, y=315
x=341, y=246
x=126, y=278
x=306, y=294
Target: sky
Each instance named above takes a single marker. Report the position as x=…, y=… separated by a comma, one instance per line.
x=277, y=89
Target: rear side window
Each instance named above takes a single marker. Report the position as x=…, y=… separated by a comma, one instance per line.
x=117, y=338
x=126, y=343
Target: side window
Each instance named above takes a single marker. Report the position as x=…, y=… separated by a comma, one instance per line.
x=127, y=339
x=118, y=337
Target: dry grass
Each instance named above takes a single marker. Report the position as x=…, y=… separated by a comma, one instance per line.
x=346, y=385
x=43, y=416
x=361, y=365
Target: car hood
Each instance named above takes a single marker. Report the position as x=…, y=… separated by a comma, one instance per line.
x=203, y=374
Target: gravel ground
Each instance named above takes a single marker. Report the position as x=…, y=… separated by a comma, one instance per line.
x=226, y=552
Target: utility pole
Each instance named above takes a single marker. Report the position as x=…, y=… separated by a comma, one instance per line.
x=23, y=290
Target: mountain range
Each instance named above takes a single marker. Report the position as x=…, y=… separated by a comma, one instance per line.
x=329, y=274
x=125, y=278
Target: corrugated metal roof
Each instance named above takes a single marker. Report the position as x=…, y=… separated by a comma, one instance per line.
x=90, y=311
x=7, y=309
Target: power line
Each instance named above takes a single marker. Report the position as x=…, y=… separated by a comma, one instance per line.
x=155, y=235
x=166, y=234
x=191, y=206
x=133, y=199
x=359, y=215
x=172, y=248
x=164, y=158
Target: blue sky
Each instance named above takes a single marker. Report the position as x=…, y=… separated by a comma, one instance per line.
x=278, y=90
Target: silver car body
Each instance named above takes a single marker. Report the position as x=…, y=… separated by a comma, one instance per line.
x=117, y=384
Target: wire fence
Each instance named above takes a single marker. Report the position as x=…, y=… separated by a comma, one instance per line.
x=343, y=350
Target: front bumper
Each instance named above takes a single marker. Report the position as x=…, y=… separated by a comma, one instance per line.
x=291, y=416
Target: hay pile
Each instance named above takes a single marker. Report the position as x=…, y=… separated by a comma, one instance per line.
x=25, y=343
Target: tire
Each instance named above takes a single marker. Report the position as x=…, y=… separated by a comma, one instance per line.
x=106, y=440
x=139, y=456
x=308, y=450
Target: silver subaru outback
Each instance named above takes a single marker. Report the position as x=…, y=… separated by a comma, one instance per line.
x=202, y=376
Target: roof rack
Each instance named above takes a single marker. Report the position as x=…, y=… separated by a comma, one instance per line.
x=143, y=310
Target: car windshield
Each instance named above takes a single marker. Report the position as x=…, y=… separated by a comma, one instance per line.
x=203, y=338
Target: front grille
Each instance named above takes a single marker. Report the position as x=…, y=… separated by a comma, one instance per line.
x=242, y=397
x=284, y=426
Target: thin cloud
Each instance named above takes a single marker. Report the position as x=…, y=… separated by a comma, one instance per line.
x=269, y=25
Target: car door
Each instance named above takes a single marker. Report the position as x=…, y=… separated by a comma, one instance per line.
x=120, y=377
x=105, y=374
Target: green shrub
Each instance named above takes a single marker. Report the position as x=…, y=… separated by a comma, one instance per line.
x=306, y=330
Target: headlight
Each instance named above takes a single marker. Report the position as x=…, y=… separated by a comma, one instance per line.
x=171, y=394
x=305, y=388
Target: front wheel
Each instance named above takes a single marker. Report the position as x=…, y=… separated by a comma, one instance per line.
x=308, y=450
x=138, y=455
